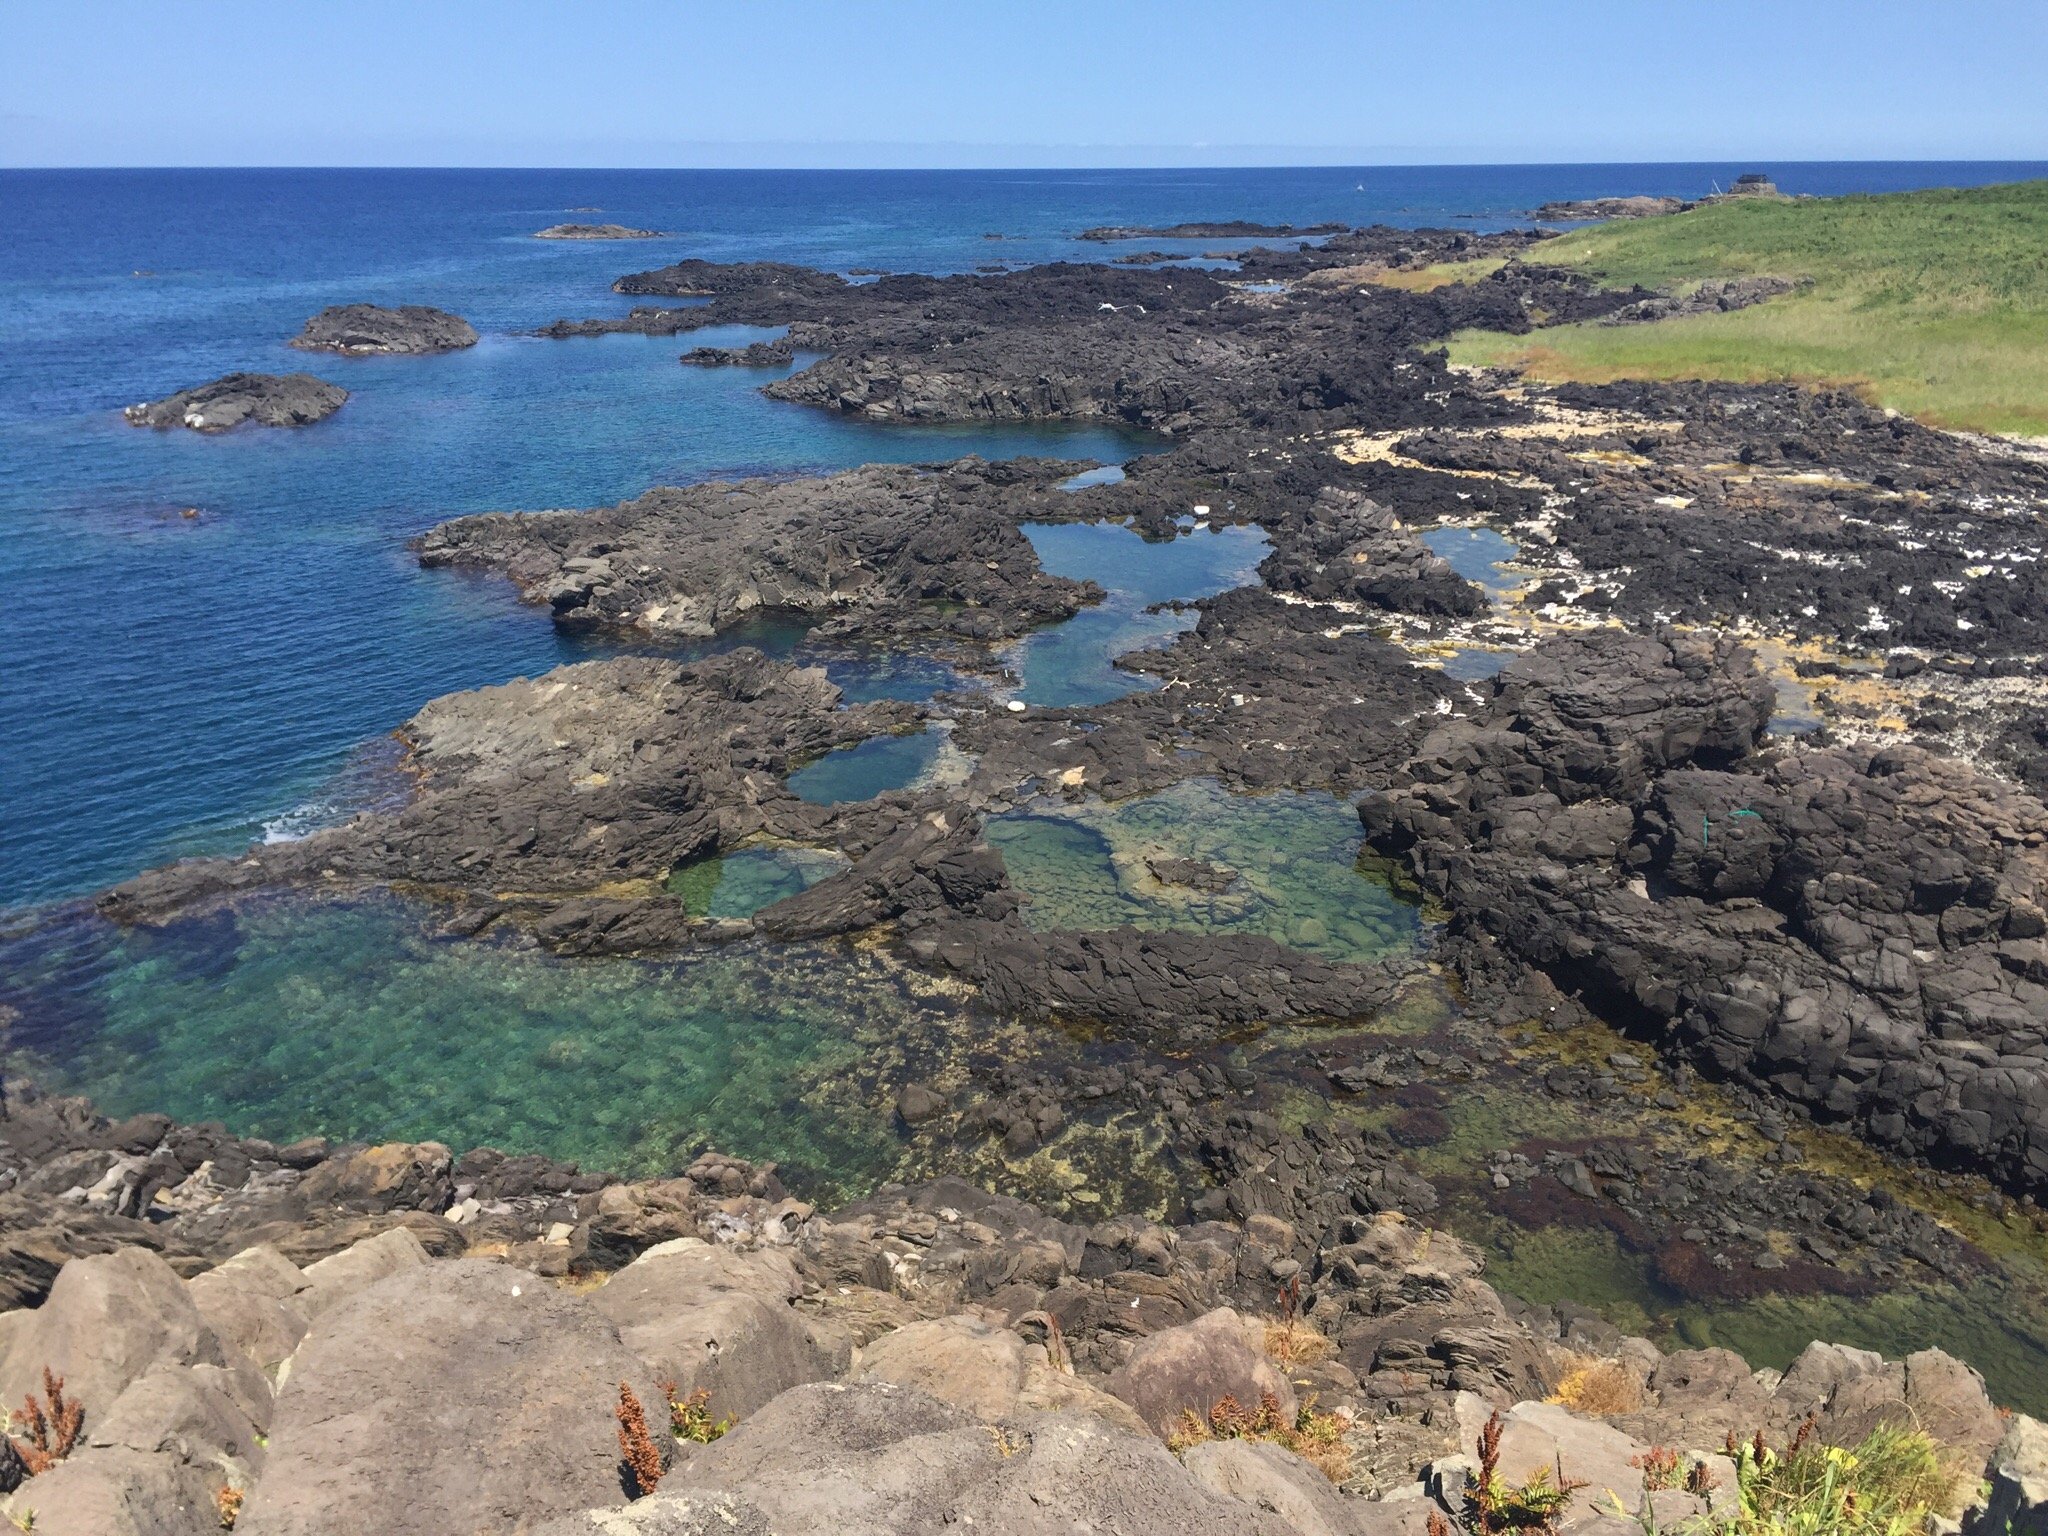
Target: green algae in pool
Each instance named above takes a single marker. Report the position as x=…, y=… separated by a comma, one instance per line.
x=870, y=768
x=1291, y=860
x=741, y=883
x=1071, y=663
x=1985, y=1324
x=287, y=1018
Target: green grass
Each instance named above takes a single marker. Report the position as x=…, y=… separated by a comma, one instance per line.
x=1934, y=303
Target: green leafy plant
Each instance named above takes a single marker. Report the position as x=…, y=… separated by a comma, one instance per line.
x=1496, y=1507
x=690, y=1418
x=1885, y=1485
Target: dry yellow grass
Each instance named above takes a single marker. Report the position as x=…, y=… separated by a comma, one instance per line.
x=1593, y=1385
x=1297, y=1344
x=1409, y=279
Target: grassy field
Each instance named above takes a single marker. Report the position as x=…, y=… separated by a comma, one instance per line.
x=1934, y=303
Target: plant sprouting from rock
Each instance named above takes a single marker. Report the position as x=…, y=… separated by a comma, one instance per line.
x=1495, y=1507
x=51, y=1426
x=639, y=1461
x=1315, y=1436
x=1887, y=1484
x=690, y=1418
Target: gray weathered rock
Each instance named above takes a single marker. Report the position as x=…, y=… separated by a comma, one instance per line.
x=119, y=1492
x=2017, y=1501
x=108, y=1320
x=358, y=330
x=1272, y=1478
x=268, y=399
x=714, y=1319
x=1189, y=1368
x=249, y=1303
x=455, y=1396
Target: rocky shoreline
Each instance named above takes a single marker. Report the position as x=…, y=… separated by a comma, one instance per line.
x=326, y=1331
x=1837, y=918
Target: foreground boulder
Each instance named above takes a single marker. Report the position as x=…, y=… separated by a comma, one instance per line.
x=357, y=330
x=268, y=399
x=1190, y=1368
x=456, y=1396
x=108, y=1320
x=714, y=1320
x=877, y=1458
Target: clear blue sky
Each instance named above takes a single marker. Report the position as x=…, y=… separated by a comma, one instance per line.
x=1017, y=82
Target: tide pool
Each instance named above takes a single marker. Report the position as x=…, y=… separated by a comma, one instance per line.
x=1072, y=663
x=1286, y=865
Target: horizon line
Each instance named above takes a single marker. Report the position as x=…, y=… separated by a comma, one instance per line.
x=1275, y=165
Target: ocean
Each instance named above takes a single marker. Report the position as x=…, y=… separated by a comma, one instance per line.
x=178, y=685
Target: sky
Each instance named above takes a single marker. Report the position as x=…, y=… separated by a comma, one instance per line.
x=1036, y=83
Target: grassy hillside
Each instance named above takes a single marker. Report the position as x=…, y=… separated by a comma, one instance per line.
x=1935, y=303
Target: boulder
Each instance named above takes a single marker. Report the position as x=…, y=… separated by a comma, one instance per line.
x=357, y=330
x=2016, y=1502
x=414, y=1175
x=118, y=1492
x=1187, y=1369
x=958, y=1360
x=1273, y=1478
x=1074, y=1473
x=268, y=399
x=248, y=1302
x=339, y=1276
x=108, y=1320
x=457, y=1396
x=875, y=1459
x=715, y=1319
x=1545, y=1437
x=186, y=1414
x=991, y=1372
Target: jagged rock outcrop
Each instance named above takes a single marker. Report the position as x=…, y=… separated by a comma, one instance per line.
x=1857, y=931
x=925, y=1358
x=359, y=330
x=595, y=232
x=597, y=773
x=890, y=547
x=268, y=399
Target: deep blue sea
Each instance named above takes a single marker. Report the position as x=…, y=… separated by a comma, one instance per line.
x=173, y=685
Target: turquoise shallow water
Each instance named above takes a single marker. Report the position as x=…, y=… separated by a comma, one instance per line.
x=741, y=883
x=355, y=1020
x=1288, y=866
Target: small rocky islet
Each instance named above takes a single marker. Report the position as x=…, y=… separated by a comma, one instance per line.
x=301, y=399
x=363, y=330
x=265, y=399
x=595, y=232
x=1634, y=900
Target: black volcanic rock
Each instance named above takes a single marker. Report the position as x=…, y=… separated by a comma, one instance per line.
x=701, y=279
x=883, y=548
x=268, y=399
x=1857, y=931
x=361, y=329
